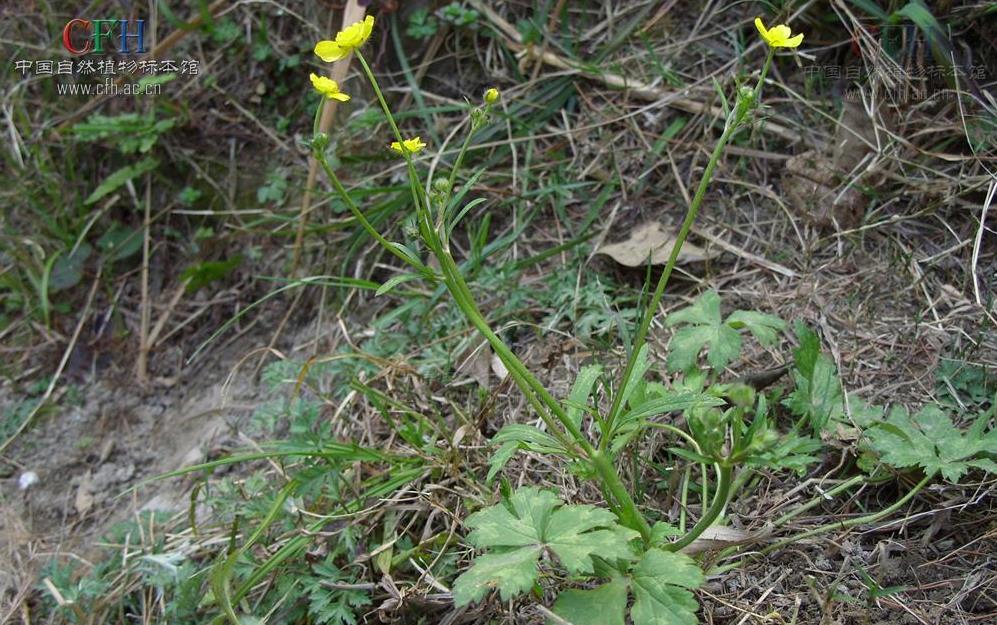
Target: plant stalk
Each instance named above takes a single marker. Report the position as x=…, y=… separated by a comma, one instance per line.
x=719, y=501
x=645, y=324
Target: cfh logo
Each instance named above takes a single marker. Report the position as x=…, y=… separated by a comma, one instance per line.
x=83, y=36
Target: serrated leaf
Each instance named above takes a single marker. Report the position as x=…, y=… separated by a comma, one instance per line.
x=705, y=310
x=659, y=583
x=661, y=530
x=537, y=521
x=705, y=328
x=817, y=396
x=930, y=440
x=573, y=535
x=864, y=414
x=763, y=327
x=513, y=573
x=603, y=605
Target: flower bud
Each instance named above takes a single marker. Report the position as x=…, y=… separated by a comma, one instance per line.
x=441, y=185
x=492, y=96
x=744, y=103
x=478, y=118
x=320, y=141
x=741, y=395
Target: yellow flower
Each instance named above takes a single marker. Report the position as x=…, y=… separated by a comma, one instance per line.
x=347, y=40
x=492, y=96
x=778, y=36
x=408, y=145
x=328, y=87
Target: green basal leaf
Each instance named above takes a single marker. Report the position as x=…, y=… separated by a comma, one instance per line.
x=512, y=572
x=706, y=328
x=535, y=522
x=817, y=396
x=661, y=583
x=931, y=441
x=603, y=605
x=765, y=328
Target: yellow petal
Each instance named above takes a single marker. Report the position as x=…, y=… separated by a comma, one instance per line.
x=397, y=147
x=794, y=42
x=779, y=34
x=761, y=28
x=414, y=145
x=356, y=34
x=342, y=97
x=330, y=51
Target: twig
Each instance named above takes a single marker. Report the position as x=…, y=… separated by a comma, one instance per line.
x=144, y=343
x=979, y=241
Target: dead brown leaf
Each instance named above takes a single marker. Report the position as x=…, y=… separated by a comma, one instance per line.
x=651, y=239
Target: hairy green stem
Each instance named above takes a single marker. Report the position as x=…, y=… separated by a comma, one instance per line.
x=745, y=100
x=358, y=214
x=862, y=520
x=454, y=280
x=652, y=308
x=629, y=513
x=823, y=529
x=414, y=186
x=714, y=511
x=792, y=514
x=547, y=407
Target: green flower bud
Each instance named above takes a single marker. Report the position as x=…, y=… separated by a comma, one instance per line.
x=441, y=185
x=320, y=141
x=741, y=395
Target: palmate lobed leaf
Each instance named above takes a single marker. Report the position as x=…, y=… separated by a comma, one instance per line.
x=513, y=573
x=930, y=440
x=817, y=395
x=537, y=521
x=602, y=605
x=660, y=583
x=706, y=327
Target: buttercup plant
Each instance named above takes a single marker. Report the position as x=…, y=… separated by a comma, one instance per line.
x=729, y=424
